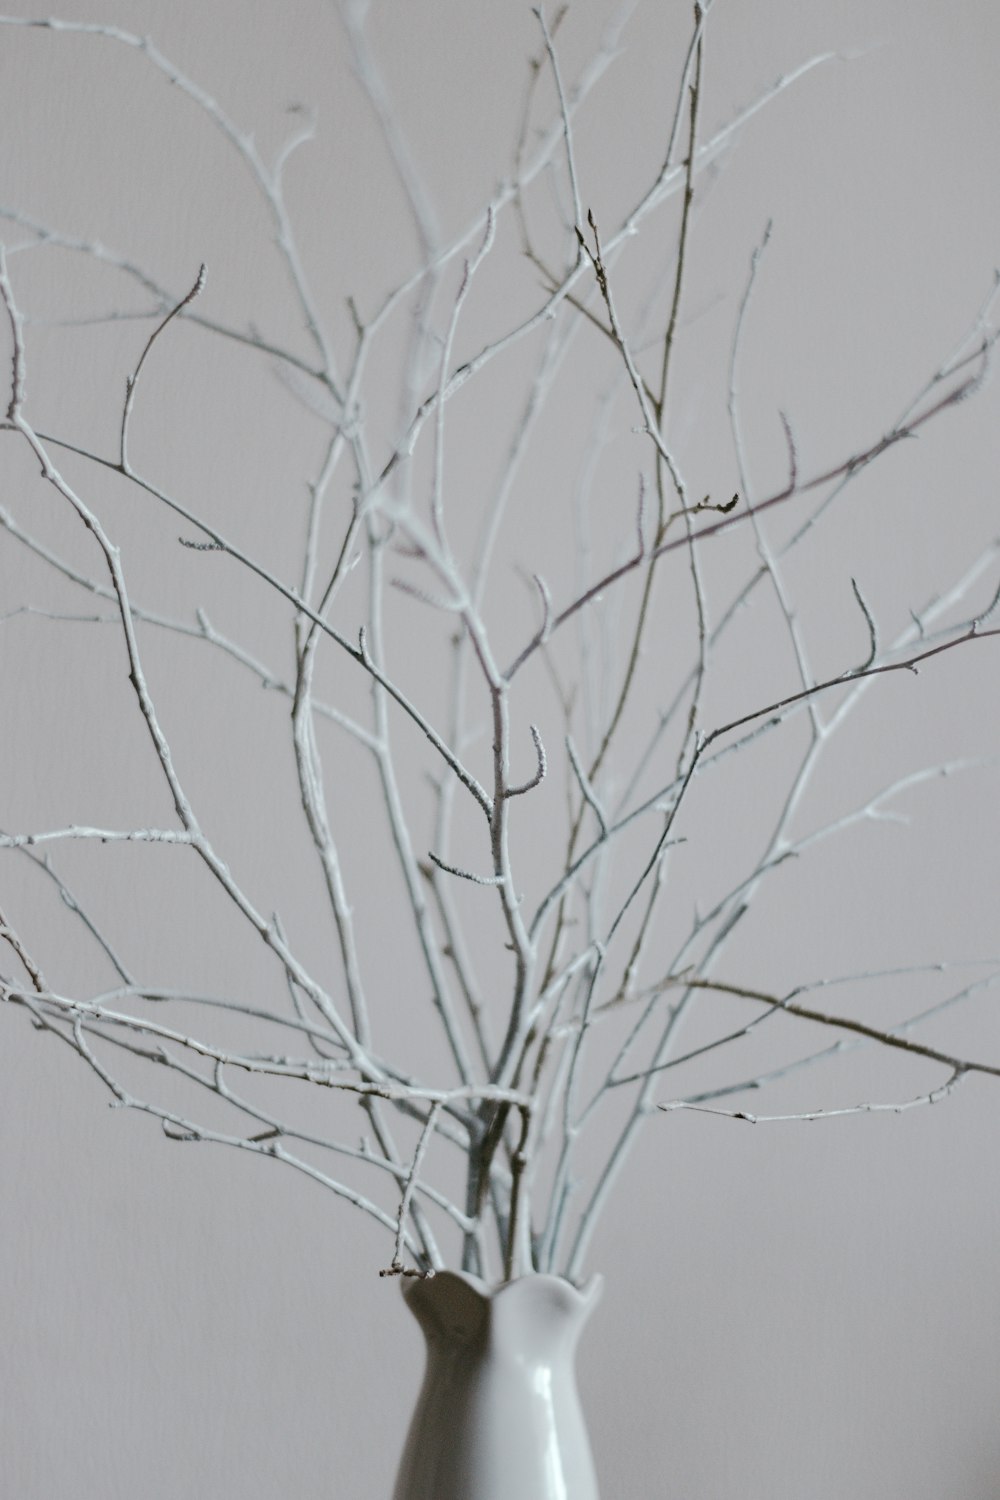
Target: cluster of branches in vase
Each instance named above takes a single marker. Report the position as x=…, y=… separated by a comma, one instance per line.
x=561, y=1033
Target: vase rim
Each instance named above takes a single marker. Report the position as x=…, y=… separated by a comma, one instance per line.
x=587, y=1292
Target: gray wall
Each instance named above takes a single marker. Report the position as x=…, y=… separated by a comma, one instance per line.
x=792, y=1310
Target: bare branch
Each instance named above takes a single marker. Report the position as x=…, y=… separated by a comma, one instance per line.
x=480, y=470
x=539, y=776
x=933, y=1097
x=872, y=631
x=844, y=1023
x=465, y=874
x=133, y=379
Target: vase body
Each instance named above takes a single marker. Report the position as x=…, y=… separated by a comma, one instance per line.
x=498, y=1416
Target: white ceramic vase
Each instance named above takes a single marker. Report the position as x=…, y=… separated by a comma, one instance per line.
x=498, y=1416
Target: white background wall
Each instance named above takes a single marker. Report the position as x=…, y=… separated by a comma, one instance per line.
x=791, y=1311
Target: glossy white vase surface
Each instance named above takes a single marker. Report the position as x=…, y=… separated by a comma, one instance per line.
x=498, y=1416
